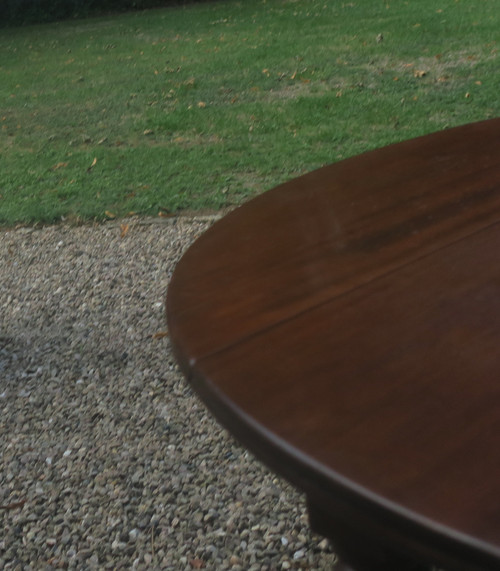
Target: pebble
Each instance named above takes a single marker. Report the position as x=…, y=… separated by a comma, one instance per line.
x=133, y=534
x=324, y=544
x=114, y=461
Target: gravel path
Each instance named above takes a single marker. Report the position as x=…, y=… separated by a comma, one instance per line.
x=107, y=460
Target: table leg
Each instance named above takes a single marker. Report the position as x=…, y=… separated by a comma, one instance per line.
x=356, y=551
x=341, y=566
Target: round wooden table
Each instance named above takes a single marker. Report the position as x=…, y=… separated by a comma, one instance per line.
x=345, y=327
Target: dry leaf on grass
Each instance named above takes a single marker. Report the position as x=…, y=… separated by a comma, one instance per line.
x=58, y=166
x=94, y=162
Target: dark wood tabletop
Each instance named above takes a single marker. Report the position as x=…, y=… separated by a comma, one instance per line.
x=345, y=326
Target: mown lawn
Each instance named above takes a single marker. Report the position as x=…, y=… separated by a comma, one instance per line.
x=205, y=105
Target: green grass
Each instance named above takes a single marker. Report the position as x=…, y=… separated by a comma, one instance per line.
x=205, y=105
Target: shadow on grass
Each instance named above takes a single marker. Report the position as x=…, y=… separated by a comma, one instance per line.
x=14, y=13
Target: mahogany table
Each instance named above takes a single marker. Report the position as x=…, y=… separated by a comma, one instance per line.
x=345, y=326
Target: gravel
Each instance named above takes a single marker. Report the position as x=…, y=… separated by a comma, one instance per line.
x=107, y=459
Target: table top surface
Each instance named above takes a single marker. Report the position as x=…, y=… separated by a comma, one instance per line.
x=345, y=326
